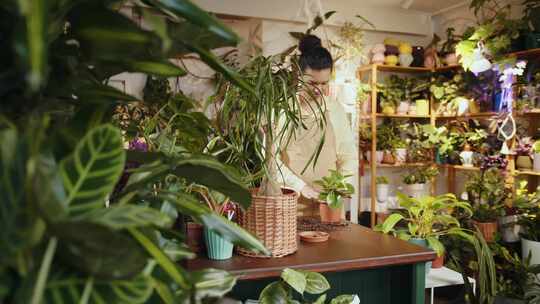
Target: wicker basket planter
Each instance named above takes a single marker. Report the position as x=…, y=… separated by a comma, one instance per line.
x=272, y=219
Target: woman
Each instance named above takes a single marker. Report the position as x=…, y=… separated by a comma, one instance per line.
x=338, y=151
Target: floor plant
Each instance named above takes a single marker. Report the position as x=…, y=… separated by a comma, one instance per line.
x=67, y=235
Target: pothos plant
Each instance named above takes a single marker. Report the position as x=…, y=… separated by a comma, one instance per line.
x=334, y=189
x=294, y=284
x=426, y=218
x=420, y=175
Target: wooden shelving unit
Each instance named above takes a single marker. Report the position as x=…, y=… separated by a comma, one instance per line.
x=526, y=172
x=403, y=165
x=401, y=116
x=468, y=116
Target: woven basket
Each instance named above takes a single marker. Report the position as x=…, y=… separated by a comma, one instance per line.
x=272, y=219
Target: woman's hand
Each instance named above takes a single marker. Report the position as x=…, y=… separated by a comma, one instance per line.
x=309, y=192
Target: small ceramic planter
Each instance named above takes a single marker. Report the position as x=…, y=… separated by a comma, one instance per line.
x=405, y=60
x=532, y=247
x=524, y=162
x=412, y=109
x=330, y=215
x=466, y=158
x=388, y=158
x=382, y=192
x=217, y=247
x=422, y=107
x=536, y=162
x=403, y=107
x=401, y=155
x=488, y=230
x=416, y=190
x=378, y=156
x=509, y=228
x=438, y=262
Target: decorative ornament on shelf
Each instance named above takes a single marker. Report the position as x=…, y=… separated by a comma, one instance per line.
x=378, y=53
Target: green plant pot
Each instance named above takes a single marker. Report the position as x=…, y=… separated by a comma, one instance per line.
x=423, y=243
x=422, y=107
x=217, y=247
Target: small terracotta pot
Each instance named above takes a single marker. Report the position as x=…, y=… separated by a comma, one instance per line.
x=488, y=230
x=194, y=237
x=438, y=262
x=330, y=215
x=388, y=158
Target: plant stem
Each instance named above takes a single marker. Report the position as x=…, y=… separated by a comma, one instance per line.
x=44, y=269
x=87, y=290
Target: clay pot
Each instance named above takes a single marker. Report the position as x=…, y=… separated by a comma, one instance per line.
x=438, y=262
x=488, y=230
x=388, y=158
x=451, y=59
x=330, y=215
x=194, y=237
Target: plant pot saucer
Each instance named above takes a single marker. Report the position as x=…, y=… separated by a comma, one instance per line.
x=314, y=236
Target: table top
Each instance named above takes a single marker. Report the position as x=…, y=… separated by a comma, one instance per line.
x=355, y=248
x=440, y=277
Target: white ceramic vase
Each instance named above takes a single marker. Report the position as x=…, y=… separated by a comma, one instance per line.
x=401, y=155
x=509, y=228
x=532, y=247
x=536, y=162
x=382, y=192
x=416, y=190
x=403, y=107
x=466, y=158
x=405, y=60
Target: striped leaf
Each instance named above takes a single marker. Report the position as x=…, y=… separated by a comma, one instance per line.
x=91, y=172
x=127, y=216
x=65, y=288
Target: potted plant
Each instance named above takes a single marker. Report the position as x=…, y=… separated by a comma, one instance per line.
x=536, y=156
x=386, y=135
x=487, y=193
x=383, y=188
x=443, y=142
x=254, y=129
x=417, y=179
x=528, y=205
x=334, y=191
x=448, y=49
x=363, y=96
x=400, y=147
x=523, y=153
x=472, y=140
x=425, y=220
x=390, y=94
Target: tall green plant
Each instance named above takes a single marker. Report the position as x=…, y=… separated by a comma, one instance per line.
x=68, y=236
x=255, y=128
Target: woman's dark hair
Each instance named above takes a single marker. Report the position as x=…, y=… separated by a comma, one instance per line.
x=314, y=55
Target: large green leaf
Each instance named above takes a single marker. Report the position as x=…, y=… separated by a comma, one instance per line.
x=316, y=283
x=98, y=250
x=158, y=68
x=202, y=170
x=344, y=299
x=188, y=205
x=295, y=279
x=212, y=283
x=19, y=229
x=64, y=287
x=274, y=293
x=91, y=172
x=127, y=216
x=189, y=11
x=185, y=32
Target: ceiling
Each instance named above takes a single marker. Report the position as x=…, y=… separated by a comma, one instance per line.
x=427, y=6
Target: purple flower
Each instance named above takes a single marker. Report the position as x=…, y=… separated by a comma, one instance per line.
x=524, y=146
x=494, y=161
x=138, y=144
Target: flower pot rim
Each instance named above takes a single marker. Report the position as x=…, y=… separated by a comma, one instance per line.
x=286, y=191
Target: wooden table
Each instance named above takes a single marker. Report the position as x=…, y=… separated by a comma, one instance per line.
x=379, y=268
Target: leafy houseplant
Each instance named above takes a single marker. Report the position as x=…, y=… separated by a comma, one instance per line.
x=417, y=178
x=528, y=204
x=487, y=193
x=426, y=219
x=298, y=282
x=383, y=188
x=70, y=236
x=334, y=191
x=536, y=156
x=255, y=128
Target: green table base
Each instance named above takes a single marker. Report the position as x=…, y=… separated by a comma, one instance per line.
x=390, y=285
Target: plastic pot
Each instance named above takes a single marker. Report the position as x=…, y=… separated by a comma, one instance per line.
x=524, y=162
x=217, y=247
x=401, y=155
x=509, y=228
x=422, y=107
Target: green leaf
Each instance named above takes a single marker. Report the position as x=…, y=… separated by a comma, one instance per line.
x=92, y=170
x=158, y=68
x=316, y=283
x=436, y=245
x=100, y=93
x=274, y=293
x=65, y=287
x=212, y=283
x=391, y=222
x=295, y=279
x=343, y=299
x=159, y=26
x=188, y=205
x=98, y=250
x=127, y=216
x=33, y=48
x=189, y=11
x=320, y=300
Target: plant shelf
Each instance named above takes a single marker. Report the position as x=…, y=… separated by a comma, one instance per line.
x=460, y=167
x=526, y=54
x=527, y=172
x=448, y=68
x=402, y=116
x=395, y=69
x=404, y=165
x=468, y=116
